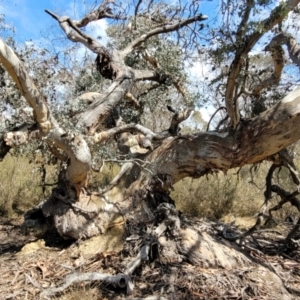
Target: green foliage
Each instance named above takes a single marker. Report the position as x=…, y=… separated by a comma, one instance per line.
x=170, y=63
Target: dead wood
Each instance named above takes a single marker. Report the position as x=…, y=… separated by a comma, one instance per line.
x=163, y=253
x=121, y=281
x=207, y=266
x=150, y=298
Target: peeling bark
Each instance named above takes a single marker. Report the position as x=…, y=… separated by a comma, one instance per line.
x=290, y=42
x=138, y=196
x=74, y=145
x=20, y=76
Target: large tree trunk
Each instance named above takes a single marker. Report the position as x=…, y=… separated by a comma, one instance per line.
x=138, y=197
x=139, y=189
x=140, y=203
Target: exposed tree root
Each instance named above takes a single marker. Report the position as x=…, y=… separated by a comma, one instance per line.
x=195, y=263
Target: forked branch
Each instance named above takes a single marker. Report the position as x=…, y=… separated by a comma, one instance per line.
x=246, y=44
x=74, y=145
x=74, y=34
x=103, y=11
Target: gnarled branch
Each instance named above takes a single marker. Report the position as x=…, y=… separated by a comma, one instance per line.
x=246, y=44
x=278, y=61
x=163, y=29
x=74, y=145
x=290, y=42
x=76, y=35
x=103, y=11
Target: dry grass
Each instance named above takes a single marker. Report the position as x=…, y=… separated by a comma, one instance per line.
x=19, y=185
x=85, y=292
x=239, y=192
x=217, y=195
x=214, y=196
x=103, y=178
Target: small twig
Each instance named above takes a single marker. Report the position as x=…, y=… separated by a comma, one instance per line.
x=136, y=161
x=121, y=281
x=33, y=282
x=222, y=107
x=54, y=16
x=138, y=260
x=149, y=298
x=136, y=12
x=83, y=210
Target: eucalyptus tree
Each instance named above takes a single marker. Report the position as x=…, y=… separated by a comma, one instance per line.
x=152, y=162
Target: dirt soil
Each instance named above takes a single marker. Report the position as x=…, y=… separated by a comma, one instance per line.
x=28, y=266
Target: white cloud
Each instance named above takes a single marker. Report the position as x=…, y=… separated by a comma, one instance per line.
x=206, y=112
x=201, y=71
x=98, y=30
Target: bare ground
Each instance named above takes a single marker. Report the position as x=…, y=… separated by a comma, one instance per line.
x=29, y=266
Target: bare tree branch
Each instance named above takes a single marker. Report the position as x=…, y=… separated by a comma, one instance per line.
x=278, y=60
x=148, y=135
x=20, y=76
x=103, y=11
x=213, y=115
x=99, y=110
x=125, y=169
x=117, y=280
x=277, y=54
x=243, y=24
x=163, y=29
x=89, y=97
x=292, y=45
x=16, y=138
x=245, y=45
x=175, y=81
x=136, y=11
x=105, y=135
x=74, y=145
x=142, y=75
x=177, y=119
x=76, y=35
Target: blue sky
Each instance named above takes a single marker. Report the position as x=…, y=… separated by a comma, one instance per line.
x=29, y=17
x=32, y=23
